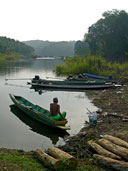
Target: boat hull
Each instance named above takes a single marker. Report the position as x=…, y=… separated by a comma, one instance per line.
x=42, y=118
x=71, y=86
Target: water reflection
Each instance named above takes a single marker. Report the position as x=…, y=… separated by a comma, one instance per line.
x=35, y=126
x=41, y=90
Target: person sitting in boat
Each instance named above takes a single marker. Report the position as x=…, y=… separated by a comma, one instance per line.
x=55, y=108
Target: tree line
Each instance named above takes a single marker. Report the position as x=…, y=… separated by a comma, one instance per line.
x=10, y=46
x=47, y=48
x=108, y=37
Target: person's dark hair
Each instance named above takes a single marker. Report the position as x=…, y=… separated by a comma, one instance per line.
x=55, y=100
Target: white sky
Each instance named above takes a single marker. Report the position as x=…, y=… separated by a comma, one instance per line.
x=53, y=20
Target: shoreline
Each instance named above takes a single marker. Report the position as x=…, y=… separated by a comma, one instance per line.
x=114, y=107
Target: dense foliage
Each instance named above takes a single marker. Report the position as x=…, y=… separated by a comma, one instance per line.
x=93, y=65
x=47, y=48
x=81, y=48
x=108, y=36
x=10, y=46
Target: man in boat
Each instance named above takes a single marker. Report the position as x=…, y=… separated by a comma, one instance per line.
x=55, y=108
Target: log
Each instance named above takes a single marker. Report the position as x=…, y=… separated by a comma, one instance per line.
x=47, y=160
x=121, y=151
x=59, y=154
x=100, y=150
x=115, y=115
x=116, y=140
x=111, y=163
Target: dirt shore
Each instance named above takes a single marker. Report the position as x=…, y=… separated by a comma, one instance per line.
x=110, y=101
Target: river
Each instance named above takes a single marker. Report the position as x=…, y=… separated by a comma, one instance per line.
x=18, y=131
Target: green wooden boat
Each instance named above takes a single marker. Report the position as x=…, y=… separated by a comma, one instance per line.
x=73, y=82
x=40, y=114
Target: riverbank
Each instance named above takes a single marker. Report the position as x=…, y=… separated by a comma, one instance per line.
x=110, y=101
x=113, y=104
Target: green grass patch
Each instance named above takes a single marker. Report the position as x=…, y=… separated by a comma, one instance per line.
x=10, y=56
x=26, y=162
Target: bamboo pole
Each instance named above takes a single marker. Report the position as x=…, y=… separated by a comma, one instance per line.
x=6, y=79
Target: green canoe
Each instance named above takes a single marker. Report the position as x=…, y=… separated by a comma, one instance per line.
x=40, y=114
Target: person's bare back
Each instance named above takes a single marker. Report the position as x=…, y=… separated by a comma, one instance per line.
x=54, y=109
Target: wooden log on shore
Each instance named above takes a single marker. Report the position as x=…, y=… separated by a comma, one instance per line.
x=59, y=154
x=121, y=151
x=119, y=116
x=116, y=140
x=111, y=163
x=100, y=150
x=47, y=160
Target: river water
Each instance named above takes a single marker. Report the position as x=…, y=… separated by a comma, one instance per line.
x=21, y=132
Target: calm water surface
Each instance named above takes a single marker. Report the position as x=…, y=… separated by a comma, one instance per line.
x=21, y=132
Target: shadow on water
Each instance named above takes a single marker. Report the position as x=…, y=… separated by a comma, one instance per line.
x=39, y=128
x=41, y=90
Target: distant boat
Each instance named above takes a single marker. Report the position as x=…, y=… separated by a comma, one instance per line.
x=40, y=114
x=71, y=84
x=97, y=76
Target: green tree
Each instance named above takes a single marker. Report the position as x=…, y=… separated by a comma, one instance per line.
x=109, y=36
x=81, y=48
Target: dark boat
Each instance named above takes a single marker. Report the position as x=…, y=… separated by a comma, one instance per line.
x=71, y=84
x=37, y=127
x=40, y=114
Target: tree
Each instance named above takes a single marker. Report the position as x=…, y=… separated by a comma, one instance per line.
x=81, y=48
x=109, y=36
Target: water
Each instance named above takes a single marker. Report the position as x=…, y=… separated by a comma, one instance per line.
x=21, y=132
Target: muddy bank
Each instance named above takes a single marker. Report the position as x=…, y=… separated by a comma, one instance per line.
x=110, y=101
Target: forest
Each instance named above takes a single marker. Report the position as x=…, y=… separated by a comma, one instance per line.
x=103, y=50
x=108, y=37
x=10, y=47
x=47, y=48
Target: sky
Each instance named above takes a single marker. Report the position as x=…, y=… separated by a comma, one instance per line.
x=52, y=20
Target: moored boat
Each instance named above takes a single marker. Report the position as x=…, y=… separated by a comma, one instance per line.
x=98, y=77
x=72, y=81
x=73, y=86
x=40, y=114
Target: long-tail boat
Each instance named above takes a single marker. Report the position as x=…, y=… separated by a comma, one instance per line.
x=39, y=113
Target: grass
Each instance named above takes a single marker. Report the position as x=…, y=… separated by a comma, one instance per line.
x=25, y=161
x=10, y=56
x=12, y=160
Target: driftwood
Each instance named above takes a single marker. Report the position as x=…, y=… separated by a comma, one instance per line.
x=100, y=150
x=119, y=116
x=121, y=151
x=59, y=154
x=115, y=164
x=48, y=160
x=116, y=140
